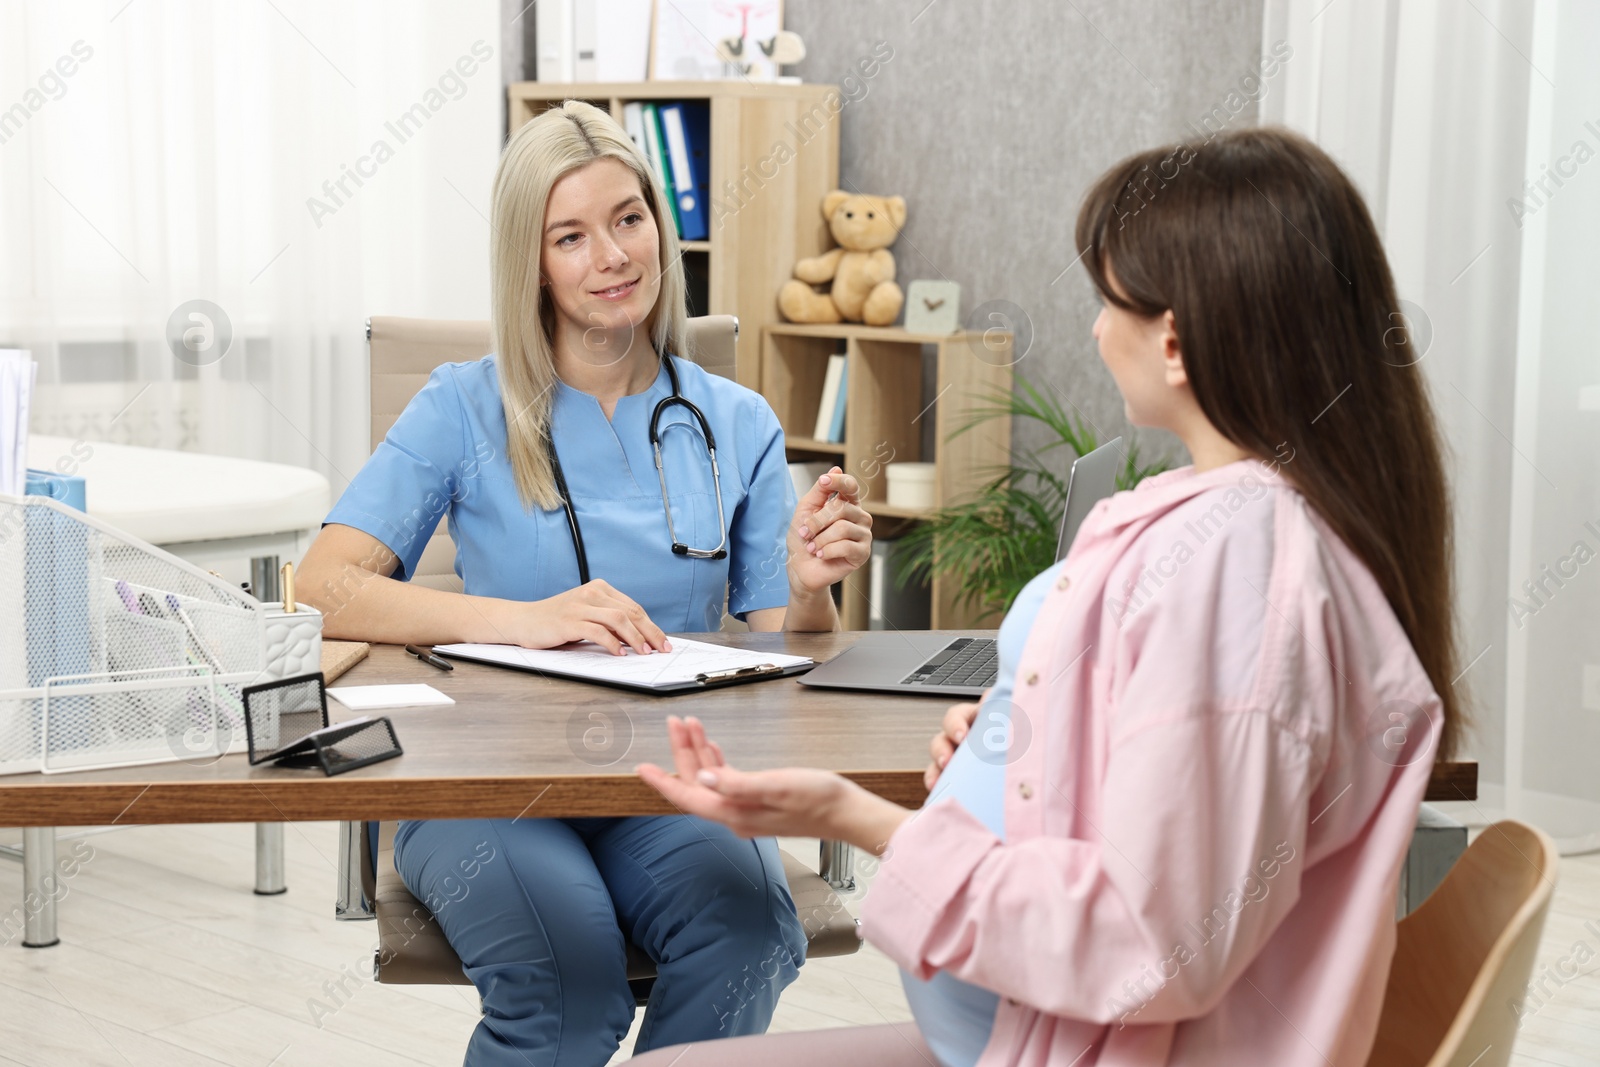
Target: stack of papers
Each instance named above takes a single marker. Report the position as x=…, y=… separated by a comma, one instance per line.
x=18, y=372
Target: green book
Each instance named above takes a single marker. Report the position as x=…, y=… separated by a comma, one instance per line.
x=658, y=157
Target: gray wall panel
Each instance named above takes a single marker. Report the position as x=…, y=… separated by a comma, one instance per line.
x=993, y=117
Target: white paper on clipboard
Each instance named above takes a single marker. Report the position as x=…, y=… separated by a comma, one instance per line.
x=659, y=670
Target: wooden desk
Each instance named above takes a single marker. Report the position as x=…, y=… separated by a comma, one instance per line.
x=519, y=744
x=514, y=744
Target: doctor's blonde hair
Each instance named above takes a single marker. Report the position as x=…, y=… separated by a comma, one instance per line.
x=537, y=156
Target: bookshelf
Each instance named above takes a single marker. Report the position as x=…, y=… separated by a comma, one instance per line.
x=884, y=420
x=765, y=200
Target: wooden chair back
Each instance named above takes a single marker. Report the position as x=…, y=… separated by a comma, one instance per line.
x=1463, y=958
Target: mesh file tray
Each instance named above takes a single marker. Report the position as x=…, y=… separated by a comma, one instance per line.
x=113, y=652
x=286, y=722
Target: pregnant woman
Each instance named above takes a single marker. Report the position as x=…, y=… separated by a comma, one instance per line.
x=1174, y=835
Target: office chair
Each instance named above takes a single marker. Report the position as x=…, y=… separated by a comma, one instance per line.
x=1463, y=957
x=412, y=950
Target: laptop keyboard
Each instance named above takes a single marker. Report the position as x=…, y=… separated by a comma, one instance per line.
x=964, y=661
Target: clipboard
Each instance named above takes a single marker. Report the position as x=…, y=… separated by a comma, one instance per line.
x=691, y=667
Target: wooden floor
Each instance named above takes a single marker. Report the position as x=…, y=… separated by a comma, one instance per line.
x=168, y=959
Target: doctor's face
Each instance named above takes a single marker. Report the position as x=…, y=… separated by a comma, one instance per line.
x=600, y=254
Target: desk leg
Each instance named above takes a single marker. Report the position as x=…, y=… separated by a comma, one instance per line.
x=1436, y=843
x=264, y=579
x=269, y=859
x=39, y=887
x=269, y=835
x=351, y=902
x=838, y=865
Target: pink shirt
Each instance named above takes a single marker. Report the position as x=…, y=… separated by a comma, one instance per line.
x=1221, y=739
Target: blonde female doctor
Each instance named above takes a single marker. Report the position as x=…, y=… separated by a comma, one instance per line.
x=542, y=459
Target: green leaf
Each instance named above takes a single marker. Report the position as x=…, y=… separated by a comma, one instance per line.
x=996, y=542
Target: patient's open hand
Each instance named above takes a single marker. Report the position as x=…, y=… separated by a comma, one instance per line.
x=792, y=802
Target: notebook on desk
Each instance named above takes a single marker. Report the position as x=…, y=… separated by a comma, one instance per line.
x=916, y=661
x=691, y=666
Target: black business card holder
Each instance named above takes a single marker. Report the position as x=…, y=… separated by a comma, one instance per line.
x=286, y=723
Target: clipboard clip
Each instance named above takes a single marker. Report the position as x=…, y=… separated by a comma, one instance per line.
x=738, y=672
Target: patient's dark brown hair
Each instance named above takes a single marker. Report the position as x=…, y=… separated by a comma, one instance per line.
x=1291, y=332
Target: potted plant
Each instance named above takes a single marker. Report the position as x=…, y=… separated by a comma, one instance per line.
x=994, y=543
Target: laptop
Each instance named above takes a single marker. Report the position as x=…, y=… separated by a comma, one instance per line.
x=916, y=661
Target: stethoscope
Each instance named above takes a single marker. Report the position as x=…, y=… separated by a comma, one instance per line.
x=678, y=547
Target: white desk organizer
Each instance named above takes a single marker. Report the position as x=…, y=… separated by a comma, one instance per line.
x=114, y=653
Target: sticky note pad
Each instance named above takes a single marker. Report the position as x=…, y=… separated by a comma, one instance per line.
x=375, y=697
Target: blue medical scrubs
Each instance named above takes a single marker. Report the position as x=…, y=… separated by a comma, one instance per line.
x=540, y=924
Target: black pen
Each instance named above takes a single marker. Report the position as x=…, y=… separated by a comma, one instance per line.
x=429, y=658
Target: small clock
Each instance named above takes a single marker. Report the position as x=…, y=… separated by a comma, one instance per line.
x=933, y=307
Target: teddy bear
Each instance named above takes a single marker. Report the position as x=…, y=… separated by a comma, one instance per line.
x=861, y=268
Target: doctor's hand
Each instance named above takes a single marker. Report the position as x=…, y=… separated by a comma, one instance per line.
x=831, y=534
x=591, y=612
x=793, y=802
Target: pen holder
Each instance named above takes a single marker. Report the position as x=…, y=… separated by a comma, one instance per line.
x=292, y=641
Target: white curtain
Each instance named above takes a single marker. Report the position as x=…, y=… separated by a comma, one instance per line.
x=154, y=153
x=1442, y=112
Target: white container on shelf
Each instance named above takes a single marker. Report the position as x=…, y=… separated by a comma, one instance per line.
x=911, y=485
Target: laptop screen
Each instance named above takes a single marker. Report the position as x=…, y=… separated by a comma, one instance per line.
x=1092, y=479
